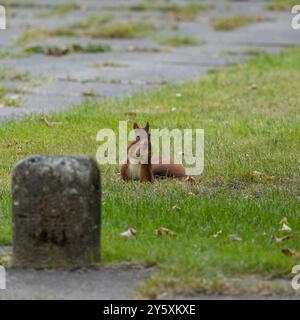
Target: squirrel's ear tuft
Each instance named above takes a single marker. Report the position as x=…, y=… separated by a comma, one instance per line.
x=147, y=126
x=135, y=125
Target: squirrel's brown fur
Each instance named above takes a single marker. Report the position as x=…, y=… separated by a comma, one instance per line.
x=147, y=172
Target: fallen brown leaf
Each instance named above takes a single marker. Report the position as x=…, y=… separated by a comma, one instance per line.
x=285, y=227
x=89, y=93
x=235, y=237
x=290, y=252
x=257, y=174
x=161, y=231
x=50, y=123
x=189, y=179
x=56, y=51
x=19, y=150
x=282, y=239
x=130, y=113
x=216, y=235
x=283, y=221
x=131, y=232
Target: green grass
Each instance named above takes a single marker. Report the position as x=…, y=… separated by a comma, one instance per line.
x=5, y=91
x=178, y=41
x=21, y=4
x=84, y=27
x=92, y=27
x=234, y=22
x=12, y=75
x=246, y=52
x=61, y=10
x=5, y=101
x=92, y=23
x=246, y=130
x=124, y=30
x=177, y=12
x=68, y=49
x=11, y=54
x=282, y=5
x=40, y=34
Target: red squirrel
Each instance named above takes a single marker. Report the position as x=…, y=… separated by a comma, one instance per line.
x=145, y=171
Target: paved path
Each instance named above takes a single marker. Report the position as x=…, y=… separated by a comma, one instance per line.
x=105, y=283
x=60, y=82
x=133, y=65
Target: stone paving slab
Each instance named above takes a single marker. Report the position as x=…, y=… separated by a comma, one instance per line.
x=147, y=63
x=103, y=284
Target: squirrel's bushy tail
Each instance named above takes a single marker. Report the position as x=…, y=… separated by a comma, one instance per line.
x=168, y=170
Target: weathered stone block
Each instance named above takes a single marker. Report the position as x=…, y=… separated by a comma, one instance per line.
x=56, y=212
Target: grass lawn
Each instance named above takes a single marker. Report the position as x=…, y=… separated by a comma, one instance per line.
x=177, y=12
x=282, y=5
x=224, y=221
x=235, y=22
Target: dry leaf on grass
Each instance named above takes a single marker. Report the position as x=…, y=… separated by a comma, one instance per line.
x=50, y=123
x=162, y=296
x=216, y=235
x=271, y=178
x=131, y=232
x=257, y=174
x=189, y=179
x=291, y=253
x=19, y=150
x=130, y=113
x=285, y=227
x=282, y=239
x=235, y=237
x=161, y=231
x=89, y=93
x=283, y=221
